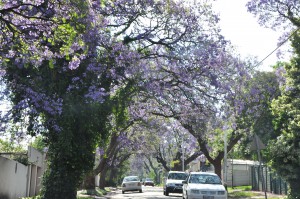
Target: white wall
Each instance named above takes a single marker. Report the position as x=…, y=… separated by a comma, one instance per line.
x=35, y=157
x=239, y=172
x=18, y=180
x=13, y=178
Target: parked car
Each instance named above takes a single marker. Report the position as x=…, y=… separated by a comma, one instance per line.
x=149, y=182
x=203, y=185
x=131, y=183
x=173, y=182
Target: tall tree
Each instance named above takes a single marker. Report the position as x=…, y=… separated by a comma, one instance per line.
x=58, y=78
x=285, y=150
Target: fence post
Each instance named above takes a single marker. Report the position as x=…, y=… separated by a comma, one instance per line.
x=280, y=183
x=266, y=181
x=271, y=182
x=286, y=192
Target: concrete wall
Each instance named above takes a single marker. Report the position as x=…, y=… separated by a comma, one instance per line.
x=35, y=157
x=13, y=178
x=35, y=171
x=239, y=172
x=18, y=180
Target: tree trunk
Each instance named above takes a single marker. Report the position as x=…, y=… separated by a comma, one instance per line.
x=218, y=167
x=89, y=181
x=87, y=184
x=295, y=191
x=70, y=155
x=177, y=167
x=60, y=185
x=112, y=175
x=102, y=179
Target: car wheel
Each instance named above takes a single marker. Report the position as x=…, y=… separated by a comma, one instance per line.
x=123, y=192
x=141, y=191
x=167, y=193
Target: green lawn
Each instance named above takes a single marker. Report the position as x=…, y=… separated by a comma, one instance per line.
x=246, y=192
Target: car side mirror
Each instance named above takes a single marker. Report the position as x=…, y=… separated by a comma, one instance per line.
x=184, y=182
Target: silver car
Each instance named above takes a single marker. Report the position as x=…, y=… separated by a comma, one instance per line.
x=131, y=183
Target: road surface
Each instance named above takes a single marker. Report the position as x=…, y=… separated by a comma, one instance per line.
x=148, y=193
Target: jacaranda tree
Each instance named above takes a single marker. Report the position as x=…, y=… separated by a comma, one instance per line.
x=202, y=98
x=62, y=61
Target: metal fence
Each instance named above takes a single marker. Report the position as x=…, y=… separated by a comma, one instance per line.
x=273, y=183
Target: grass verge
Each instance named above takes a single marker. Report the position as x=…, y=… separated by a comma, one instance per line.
x=242, y=192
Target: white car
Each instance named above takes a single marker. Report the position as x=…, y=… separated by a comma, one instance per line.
x=173, y=183
x=131, y=183
x=203, y=185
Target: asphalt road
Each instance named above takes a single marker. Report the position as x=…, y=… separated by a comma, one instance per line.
x=148, y=193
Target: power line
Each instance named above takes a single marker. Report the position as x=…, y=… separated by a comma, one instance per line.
x=277, y=48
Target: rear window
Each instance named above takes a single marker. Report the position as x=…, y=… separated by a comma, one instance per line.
x=131, y=178
x=177, y=176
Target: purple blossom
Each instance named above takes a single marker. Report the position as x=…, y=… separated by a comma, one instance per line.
x=96, y=94
x=74, y=64
x=2, y=72
x=11, y=54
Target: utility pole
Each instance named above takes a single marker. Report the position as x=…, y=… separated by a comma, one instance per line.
x=258, y=145
x=225, y=160
x=182, y=158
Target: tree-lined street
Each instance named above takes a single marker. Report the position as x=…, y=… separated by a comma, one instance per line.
x=121, y=87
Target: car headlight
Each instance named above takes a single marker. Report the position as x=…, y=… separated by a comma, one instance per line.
x=221, y=192
x=195, y=191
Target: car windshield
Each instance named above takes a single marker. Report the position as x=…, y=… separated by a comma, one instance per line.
x=148, y=179
x=204, y=179
x=131, y=178
x=177, y=176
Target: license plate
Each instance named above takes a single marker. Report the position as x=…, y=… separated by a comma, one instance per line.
x=208, y=197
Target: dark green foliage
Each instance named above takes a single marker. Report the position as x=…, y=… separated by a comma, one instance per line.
x=71, y=151
x=285, y=151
